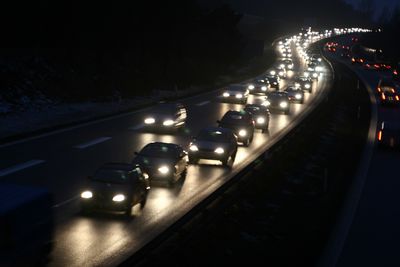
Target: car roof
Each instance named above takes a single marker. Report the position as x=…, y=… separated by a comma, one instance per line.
x=162, y=144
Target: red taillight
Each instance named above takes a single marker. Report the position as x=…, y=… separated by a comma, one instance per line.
x=376, y=66
x=361, y=60
x=353, y=59
x=395, y=72
x=397, y=97
x=380, y=135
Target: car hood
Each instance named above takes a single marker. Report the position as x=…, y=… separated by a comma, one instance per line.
x=153, y=162
x=208, y=145
x=111, y=188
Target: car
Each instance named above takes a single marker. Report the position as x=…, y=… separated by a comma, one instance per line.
x=241, y=123
x=259, y=86
x=356, y=60
x=389, y=97
x=163, y=162
x=389, y=134
x=115, y=187
x=288, y=63
x=260, y=114
x=295, y=94
x=385, y=84
x=303, y=82
x=278, y=101
x=214, y=143
x=236, y=93
x=166, y=116
x=313, y=75
x=274, y=81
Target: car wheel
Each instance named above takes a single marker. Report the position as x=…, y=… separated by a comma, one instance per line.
x=193, y=160
x=246, y=142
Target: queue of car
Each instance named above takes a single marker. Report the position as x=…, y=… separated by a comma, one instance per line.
x=120, y=186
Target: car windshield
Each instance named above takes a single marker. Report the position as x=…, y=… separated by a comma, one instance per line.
x=276, y=96
x=159, y=151
x=164, y=109
x=111, y=176
x=235, y=118
x=212, y=136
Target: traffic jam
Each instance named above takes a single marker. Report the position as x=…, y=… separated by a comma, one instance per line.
x=118, y=187
x=387, y=90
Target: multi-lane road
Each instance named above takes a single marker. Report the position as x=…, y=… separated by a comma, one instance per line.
x=62, y=160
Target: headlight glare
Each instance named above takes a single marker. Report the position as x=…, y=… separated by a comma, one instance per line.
x=298, y=96
x=193, y=148
x=118, y=198
x=219, y=150
x=168, y=122
x=149, y=120
x=163, y=169
x=87, y=194
x=239, y=95
x=251, y=87
x=283, y=104
x=225, y=94
x=260, y=120
x=242, y=133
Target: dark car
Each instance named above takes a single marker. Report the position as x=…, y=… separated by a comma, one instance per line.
x=260, y=114
x=163, y=162
x=274, y=81
x=389, y=134
x=241, y=123
x=214, y=143
x=115, y=187
x=278, y=101
x=259, y=86
x=236, y=93
x=304, y=83
x=166, y=116
x=390, y=97
x=295, y=94
x=385, y=85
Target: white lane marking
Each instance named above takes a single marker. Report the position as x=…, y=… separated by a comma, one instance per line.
x=202, y=103
x=93, y=142
x=65, y=202
x=137, y=127
x=20, y=167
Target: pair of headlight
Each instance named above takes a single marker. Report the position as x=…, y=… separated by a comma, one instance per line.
x=116, y=198
x=151, y=120
x=218, y=150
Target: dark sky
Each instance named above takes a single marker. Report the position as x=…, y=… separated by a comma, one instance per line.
x=379, y=4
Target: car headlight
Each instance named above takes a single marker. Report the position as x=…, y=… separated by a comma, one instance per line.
x=272, y=72
x=282, y=65
x=297, y=85
x=239, y=95
x=168, y=122
x=260, y=120
x=281, y=73
x=307, y=85
x=306, y=74
x=298, y=96
x=149, y=120
x=193, y=148
x=266, y=103
x=219, y=150
x=163, y=169
x=283, y=104
x=86, y=194
x=118, y=198
x=225, y=94
x=275, y=83
x=318, y=68
x=315, y=75
x=251, y=87
x=242, y=133
x=264, y=88
x=290, y=66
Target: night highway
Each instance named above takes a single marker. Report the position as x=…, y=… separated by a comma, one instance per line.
x=132, y=132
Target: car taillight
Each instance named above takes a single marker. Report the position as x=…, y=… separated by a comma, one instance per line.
x=383, y=96
x=379, y=89
x=353, y=60
x=380, y=135
x=397, y=97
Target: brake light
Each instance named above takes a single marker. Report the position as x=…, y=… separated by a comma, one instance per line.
x=397, y=97
x=353, y=59
x=383, y=96
x=380, y=135
x=379, y=89
x=361, y=60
